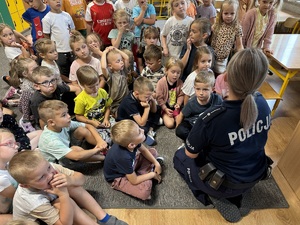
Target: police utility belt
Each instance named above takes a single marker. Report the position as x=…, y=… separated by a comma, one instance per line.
x=216, y=178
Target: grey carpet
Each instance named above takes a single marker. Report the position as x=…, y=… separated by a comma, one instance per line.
x=173, y=192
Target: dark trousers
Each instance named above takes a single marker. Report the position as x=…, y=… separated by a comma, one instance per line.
x=189, y=169
x=183, y=129
x=153, y=120
x=64, y=62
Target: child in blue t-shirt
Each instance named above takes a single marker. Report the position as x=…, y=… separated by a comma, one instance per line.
x=143, y=15
x=34, y=16
x=203, y=99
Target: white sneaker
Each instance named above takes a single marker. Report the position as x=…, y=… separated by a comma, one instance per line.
x=160, y=122
x=152, y=133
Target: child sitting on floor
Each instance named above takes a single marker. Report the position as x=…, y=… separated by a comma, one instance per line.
x=129, y=165
x=141, y=107
x=114, y=63
x=203, y=99
x=8, y=185
x=52, y=193
x=92, y=105
x=62, y=132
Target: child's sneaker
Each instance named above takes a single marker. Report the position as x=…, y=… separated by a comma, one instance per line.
x=152, y=133
x=27, y=126
x=10, y=93
x=113, y=221
x=150, y=141
x=6, y=79
x=161, y=160
x=13, y=102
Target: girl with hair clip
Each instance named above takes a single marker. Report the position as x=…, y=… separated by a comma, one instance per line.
x=149, y=35
x=228, y=141
x=80, y=48
x=169, y=95
x=176, y=28
x=95, y=44
x=21, y=77
x=198, y=34
x=227, y=33
x=258, y=25
x=122, y=37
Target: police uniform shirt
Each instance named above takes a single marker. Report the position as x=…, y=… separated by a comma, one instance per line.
x=238, y=153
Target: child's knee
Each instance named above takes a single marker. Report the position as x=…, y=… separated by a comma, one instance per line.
x=81, y=133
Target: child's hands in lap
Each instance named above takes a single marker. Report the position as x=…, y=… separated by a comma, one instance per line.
x=105, y=124
x=169, y=112
x=101, y=146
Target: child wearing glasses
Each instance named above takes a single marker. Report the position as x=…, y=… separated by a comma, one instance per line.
x=26, y=141
x=47, y=88
x=8, y=185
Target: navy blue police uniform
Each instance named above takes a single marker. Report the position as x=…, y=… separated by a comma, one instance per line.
x=218, y=138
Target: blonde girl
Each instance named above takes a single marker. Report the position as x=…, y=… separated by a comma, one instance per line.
x=149, y=35
x=202, y=62
x=227, y=34
x=122, y=37
x=80, y=48
x=21, y=77
x=46, y=50
x=12, y=48
x=199, y=32
x=258, y=25
x=168, y=92
x=175, y=30
x=95, y=45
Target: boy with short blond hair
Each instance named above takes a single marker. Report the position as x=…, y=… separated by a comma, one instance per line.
x=154, y=69
x=60, y=129
x=52, y=193
x=129, y=165
x=140, y=106
x=203, y=99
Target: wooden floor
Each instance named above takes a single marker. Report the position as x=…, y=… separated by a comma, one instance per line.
x=283, y=123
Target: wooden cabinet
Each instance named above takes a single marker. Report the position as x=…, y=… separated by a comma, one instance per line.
x=11, y=14
x=289, y=163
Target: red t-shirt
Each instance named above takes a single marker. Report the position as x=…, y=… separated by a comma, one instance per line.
x=101, y=16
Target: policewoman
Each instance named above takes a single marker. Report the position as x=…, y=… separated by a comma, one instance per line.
x=224, y=155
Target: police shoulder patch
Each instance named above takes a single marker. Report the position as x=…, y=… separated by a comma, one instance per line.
x=213, y=113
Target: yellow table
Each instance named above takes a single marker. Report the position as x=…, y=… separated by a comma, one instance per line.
x=286, y=49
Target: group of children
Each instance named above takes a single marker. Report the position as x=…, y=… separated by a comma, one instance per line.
x=108, y=85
